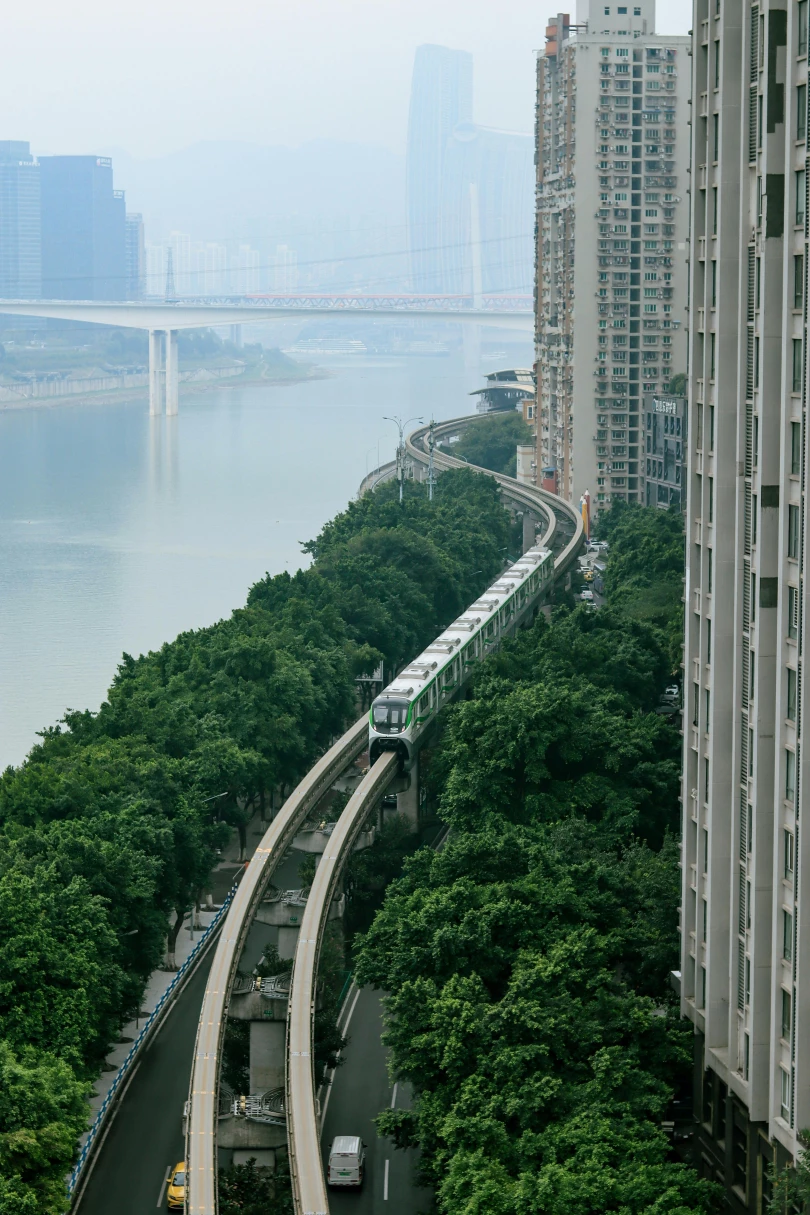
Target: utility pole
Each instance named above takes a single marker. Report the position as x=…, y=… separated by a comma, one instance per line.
x=400, y=425
x=431, y=470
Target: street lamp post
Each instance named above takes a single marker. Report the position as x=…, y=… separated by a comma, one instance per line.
x=400, y=425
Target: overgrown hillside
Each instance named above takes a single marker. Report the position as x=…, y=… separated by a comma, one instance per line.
x=108, y=833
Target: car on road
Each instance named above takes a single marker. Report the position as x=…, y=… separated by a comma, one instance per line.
x=347, y=1162
x=586, y=596
x=176, y=1193
x=589, y=575
x=672, y=692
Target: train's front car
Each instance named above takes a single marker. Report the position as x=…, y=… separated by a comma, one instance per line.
x=389, y=727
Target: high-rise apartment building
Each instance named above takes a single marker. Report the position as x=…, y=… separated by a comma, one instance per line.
x=20, y=242
x=83, y=229
x=612, y=151
x=136, y=256
x=441, y=98
x=745, y=967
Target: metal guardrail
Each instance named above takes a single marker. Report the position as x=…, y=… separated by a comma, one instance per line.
x=81, y=1171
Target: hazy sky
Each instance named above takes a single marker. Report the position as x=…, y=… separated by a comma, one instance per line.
x=158, y=75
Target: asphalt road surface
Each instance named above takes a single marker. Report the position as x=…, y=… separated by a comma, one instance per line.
x=146, y=1136
x=361, y=1089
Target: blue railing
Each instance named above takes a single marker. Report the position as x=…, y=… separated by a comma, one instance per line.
x=149, y=1025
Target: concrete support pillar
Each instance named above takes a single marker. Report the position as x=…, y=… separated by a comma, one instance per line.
x=236, y=335
x=529, y=524
x=155, y=372
x=172, y=379
x=408, y=802
x=266, y=1055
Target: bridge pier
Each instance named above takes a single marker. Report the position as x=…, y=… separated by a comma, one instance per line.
x=408, y=800
x=163, y=372
x=172, y=376
x=155, y=372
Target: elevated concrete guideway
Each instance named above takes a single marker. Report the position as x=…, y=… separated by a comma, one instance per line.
x=164, y=319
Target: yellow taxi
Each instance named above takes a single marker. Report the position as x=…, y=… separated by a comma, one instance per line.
x=176, y=1193
x=589, y=575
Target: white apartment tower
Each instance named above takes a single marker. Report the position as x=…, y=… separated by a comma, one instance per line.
x=612, y=151
x=745, y=966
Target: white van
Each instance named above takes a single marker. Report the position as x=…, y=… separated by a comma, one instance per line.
x=347, y=1161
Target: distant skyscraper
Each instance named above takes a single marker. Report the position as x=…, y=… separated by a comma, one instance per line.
x=20, y=245
x=441, y=98
x=83, y=229
x=136, y=256
x=487, y=212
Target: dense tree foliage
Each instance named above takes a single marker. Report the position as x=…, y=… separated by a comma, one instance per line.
x=492, y=441
x=644, y=578
x=110, y=829
x=527, y=961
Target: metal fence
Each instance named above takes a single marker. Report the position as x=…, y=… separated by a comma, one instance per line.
x=150, y=1026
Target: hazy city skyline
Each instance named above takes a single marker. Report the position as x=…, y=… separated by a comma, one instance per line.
x=164, y=78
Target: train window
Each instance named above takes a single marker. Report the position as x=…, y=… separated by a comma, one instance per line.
x=423, y=706
x=384, y=713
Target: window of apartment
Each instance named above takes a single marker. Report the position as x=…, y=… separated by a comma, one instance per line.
x=705, y=863
x=797, y=365
x=704, y=928
x=708, y=708
x=793, y=532
x=714, y=208
x=753, y=519
x=787, y=936
x=711, y=500
x=708, y=658
x=784, y=1107
x=717, y=64
x=793, y=612
x=712, y=340
x=711, y=425
x=798, y=280
x=709, y=570
x=696, y=704
x=790, y=775
x=802, y=28
x=786, y=1015
x=752, y=674
x=714, y=284
x=791, y=695
x=789, y=855
x=706, y=778
x=795, y=448
x=756, y=426
x=801, y=112
x=715, y=136
x=801, y=179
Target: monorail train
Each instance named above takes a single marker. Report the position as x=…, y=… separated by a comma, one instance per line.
x=404, y=711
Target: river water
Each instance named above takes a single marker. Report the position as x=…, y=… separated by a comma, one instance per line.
x=117, y=530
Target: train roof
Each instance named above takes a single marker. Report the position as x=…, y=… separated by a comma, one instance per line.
x=410, y=681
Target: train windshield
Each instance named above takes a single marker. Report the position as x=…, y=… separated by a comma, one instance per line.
x=389, y=713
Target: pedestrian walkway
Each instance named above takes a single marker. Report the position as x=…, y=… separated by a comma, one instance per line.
x=222, y=878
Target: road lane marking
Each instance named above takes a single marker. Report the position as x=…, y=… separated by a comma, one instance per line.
x=329, y=1087
x=394, y=1097
x=385, y=1182
x=351, y=1010
x=159, y=1202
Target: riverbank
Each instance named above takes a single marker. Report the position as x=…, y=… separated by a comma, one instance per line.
x=132, y=387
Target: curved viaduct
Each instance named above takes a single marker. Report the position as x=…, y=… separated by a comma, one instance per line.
x=303, y=1131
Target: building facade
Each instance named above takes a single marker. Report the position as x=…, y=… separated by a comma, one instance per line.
x=136, y=256
x=612, y=152
x=745, y=966
x=665, y=434
x=83, y=229
x=20, y=239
